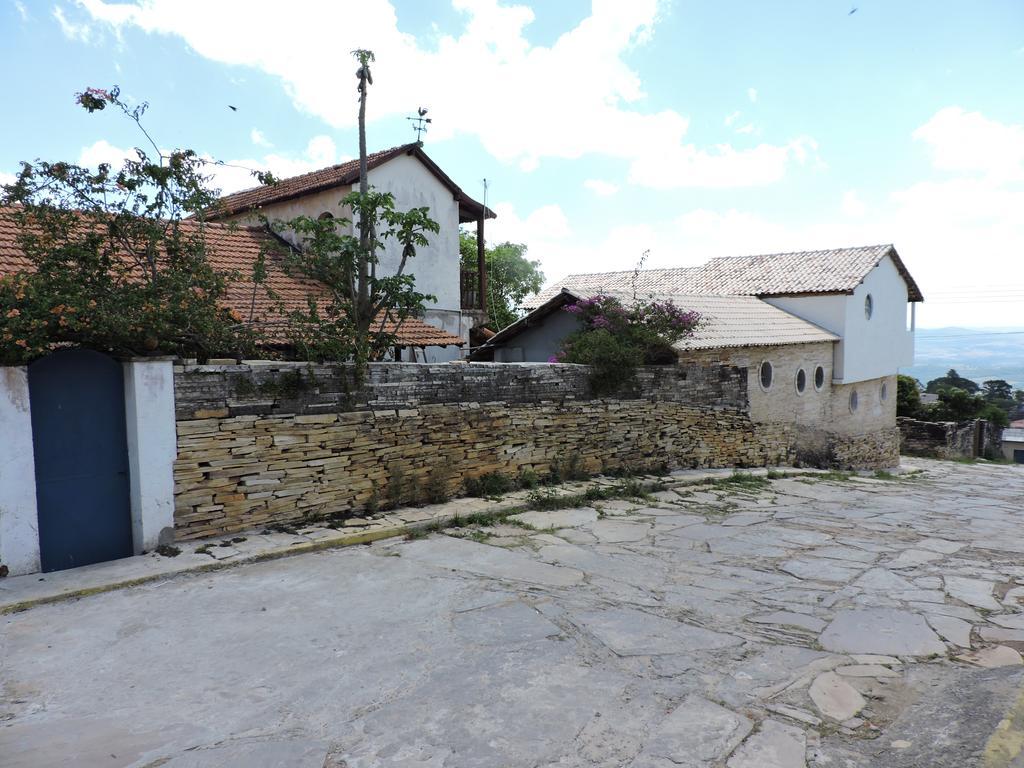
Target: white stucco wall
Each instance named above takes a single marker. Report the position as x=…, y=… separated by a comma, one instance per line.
x=152, y=448
x=19, y=518
x=878, y=346
x=436, y=267
x=868, y=349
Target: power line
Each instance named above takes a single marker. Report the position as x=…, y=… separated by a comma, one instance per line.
x=969, y=335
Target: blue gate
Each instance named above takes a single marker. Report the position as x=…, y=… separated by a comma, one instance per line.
x=81, y=458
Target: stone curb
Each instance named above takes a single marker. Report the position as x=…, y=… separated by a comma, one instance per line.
x=509, y=507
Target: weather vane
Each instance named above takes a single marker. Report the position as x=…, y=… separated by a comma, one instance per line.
x=419, y=123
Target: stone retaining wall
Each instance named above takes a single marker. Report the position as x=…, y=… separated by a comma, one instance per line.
x=262, y=444
x=950, y=439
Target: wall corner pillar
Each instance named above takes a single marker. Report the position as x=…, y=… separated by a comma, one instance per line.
x=19, y=516
x=152, y=449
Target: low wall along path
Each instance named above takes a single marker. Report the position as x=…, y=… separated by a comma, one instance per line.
x=267, y=444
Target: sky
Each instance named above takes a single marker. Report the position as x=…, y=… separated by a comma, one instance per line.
x=604, y=129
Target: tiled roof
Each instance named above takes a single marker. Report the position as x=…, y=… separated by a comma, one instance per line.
x=838, y=270
x=648, y=281
x=340, y=175
x=231, y=248
x=726, y=321
x=740, y=321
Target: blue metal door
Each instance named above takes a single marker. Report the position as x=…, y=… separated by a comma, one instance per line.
x=81, y=458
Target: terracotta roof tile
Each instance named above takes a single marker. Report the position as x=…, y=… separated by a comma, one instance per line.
x=838, y=270
x=232, y=248
x=294, y=186
x=340, y=175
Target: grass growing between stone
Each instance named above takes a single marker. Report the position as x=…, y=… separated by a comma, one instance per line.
x=742, y=481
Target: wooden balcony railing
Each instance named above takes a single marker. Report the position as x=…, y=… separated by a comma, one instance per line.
x=470, y=289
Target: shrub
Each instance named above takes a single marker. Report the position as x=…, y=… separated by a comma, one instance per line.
x=615, y=339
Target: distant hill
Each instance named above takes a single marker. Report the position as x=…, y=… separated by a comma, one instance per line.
x=976, y=353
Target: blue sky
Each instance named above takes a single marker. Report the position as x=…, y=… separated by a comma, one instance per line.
x=605, y=129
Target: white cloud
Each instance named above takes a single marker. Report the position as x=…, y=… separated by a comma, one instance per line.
x=21, y=9
x=852, y=206
x=969, y=142
x=752, y=95
x=81, y=33
x=541, y=92
x=730, y=119
x=687, y=166
x=7, y=178
x=234, y=174
x=259, y=138
x=601, y=187
x=959, y=229
x=748, y=128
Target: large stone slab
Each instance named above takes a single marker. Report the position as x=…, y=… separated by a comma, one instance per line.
x=820, y=569
x=973, y=592
x=887, y=631
x=956, y=631
x=774, y=746
x=494, y=562
x=618, y=531
x=835, y=698
x=558, y=518
x=636, y=633
x=696, y=733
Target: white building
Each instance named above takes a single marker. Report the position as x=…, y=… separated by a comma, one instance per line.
x=822, y=335
x=415, y=181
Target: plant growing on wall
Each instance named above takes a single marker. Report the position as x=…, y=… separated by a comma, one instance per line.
x=614, y=339
x=116, y=256
x=364, y=309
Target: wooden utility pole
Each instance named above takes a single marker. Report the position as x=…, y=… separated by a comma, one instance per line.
x=364, y=57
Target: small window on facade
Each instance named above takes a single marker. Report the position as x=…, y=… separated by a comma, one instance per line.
x=819, y=378
x=854, y=401
x=884, y=391
x=869, y=306
x=325, y=215
x=766, y=374
x=801, y=381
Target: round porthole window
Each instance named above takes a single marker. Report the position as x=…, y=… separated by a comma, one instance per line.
x=854, y=401
x=869, y=306
x=766, y=373
x=883, y=392
x=819, y=378
x=801, y=381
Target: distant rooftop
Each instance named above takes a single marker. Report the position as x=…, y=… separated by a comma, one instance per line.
x=837, y=270
x=340, y=175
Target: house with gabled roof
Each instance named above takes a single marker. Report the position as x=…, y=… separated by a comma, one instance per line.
x=408, y=173
x=821, y=334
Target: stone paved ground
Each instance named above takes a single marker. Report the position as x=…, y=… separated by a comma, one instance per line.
x=866, y=622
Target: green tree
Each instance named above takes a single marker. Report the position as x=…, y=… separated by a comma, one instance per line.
x=950, y=380
x=118, y=256
x=908, y=396
x=363, y=310
x=511, y=277
x=997, y=389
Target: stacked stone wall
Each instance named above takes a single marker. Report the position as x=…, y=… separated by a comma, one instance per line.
x=265, y=444
x=950, y=439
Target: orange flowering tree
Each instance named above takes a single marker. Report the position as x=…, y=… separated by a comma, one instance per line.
x=115, y=257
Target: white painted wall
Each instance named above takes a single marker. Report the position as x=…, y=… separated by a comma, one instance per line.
x=152, y=449
x=19, y=518
x=880, y=346
x=868, y=349
x=436, y=267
